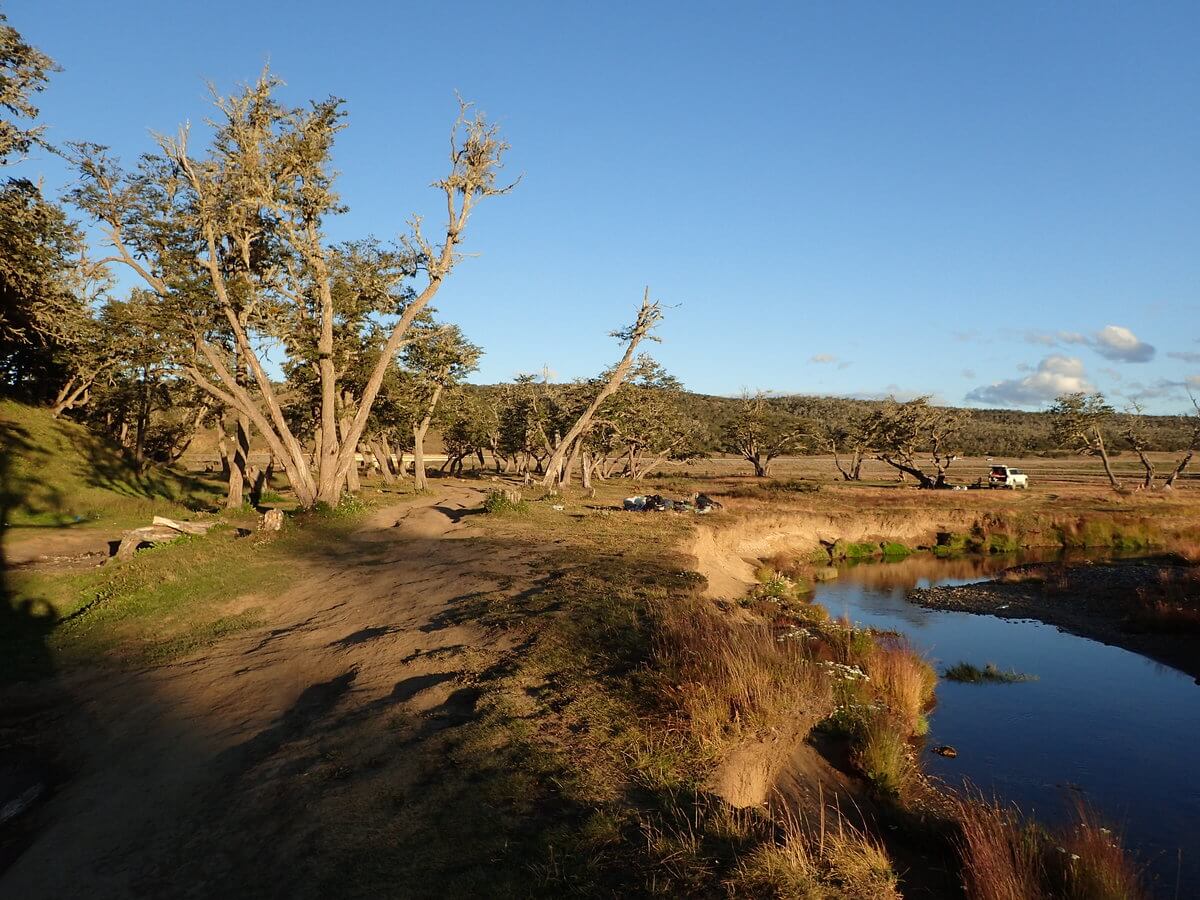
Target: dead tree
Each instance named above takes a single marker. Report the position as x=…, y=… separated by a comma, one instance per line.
x=648, y=317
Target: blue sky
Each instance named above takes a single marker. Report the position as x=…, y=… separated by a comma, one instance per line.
x=990, y=203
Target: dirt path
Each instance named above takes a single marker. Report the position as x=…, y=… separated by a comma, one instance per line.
x=181, y=777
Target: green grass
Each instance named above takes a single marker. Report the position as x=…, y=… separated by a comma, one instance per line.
x=498, y=504
x=57, y=472
x=990, y=674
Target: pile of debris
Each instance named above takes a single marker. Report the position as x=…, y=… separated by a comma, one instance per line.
x=699, y=503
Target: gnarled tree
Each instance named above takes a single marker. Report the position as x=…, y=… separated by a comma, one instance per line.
x=568, y=446
x=1079, y=422
x=234, y=241
x=904, y=434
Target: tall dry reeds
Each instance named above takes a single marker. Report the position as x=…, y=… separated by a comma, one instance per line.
x=1005, y=857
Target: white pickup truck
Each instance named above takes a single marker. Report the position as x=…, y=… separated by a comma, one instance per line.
x=1007, y=477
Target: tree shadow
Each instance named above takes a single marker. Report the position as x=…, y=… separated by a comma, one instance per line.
x=26, y=776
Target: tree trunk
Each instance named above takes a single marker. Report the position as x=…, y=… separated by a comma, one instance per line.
x=385, y=464
x=223, y=446
x=1102, y=452
x=419, y=480
x=239, y=470
x=76, y=392
x=585, y=474
x=1183, y=464
x=856, y=469
x=905, y=469
x=397, y=467
x=1148, y=465
x=762, y=464
x=353, y=483
x=569, y=467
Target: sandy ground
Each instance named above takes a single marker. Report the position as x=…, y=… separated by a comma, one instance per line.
x=167, y=768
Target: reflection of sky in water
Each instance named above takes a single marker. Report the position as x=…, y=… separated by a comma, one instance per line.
x=1122, y=728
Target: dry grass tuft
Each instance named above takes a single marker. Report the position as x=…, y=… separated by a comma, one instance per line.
x=902, y=680
x=1093, y=864
x=730, y=678
x=861, y=866
x=835, y=860
x=884, y=756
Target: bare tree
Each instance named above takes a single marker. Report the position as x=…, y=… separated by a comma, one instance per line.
x=1079, y=421
x=649, y=315
x=234, y=242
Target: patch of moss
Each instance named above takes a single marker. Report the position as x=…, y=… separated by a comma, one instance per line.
x=854, y=550
x=1002, y=543
x=893, y=549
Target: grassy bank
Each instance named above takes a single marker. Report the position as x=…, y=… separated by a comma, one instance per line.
x=58, y=473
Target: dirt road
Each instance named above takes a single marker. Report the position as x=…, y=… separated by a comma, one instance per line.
x=230, y=772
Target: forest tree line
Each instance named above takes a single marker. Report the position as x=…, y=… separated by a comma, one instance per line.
x=238, y=314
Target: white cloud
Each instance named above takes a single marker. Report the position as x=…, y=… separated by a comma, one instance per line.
x=1115, y=342
x=1185, y=356
x=1055, y=375
x=822, y=358
x=1119, y=343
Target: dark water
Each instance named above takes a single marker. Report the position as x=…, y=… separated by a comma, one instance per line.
x=1121, y=729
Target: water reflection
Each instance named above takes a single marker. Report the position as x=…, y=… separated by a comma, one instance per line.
x=1119, y=727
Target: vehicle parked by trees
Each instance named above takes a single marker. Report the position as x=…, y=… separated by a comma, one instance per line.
x=1008, y=477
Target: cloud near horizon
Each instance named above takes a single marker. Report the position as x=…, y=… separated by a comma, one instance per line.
x=1115, y=342
x=1055, y=375
x=823, y=359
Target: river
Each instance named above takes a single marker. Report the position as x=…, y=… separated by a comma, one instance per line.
x=1106, y=723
